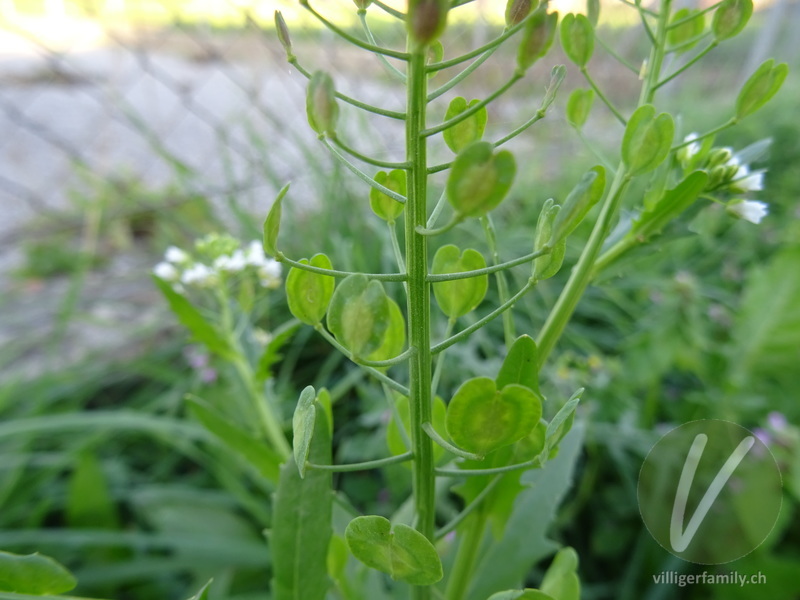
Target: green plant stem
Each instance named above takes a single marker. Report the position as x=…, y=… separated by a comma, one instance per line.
x=445, y=472
x=475, y=107
x=468, y=509
x=362, y=16
x=714, y=131
x=685, y=67
x=693, y=16
x=334, y=273
x=361, y=175
x=481, y=322
x=640, y=8
x=609, y=167
x=467, y=555
x=389, y=10
x=434, y=435
x=619, y=58
x=657, y=54
x=396, y=415
x=691, y=42
x=354, y=40
x=400, y=116
x=613, y=253
x=398, y=253
x=437, y=210
x=461, y=76
x=368, y=159
x=437, y=373
x=418, y=300
x=540, y=114
x=579, y=278
x=603, y=97
x=362, y=361
x=363, y=466
x=509, y=329
x=488, y=270
x=642, y=15
x=453, y=222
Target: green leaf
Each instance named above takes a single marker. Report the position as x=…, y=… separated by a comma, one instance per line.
x=579, y=202
x=359, y=314
x=647, y=139
x=202, y=331
x=321, y=107
x=561, y=580
x=461, y=296
x=203, y=593
x=337, y=557
x=526, y=594
x=307, y=293
x=548, y=265
x=394, y=340
x=386, y=207
x=579, y=105
x=33, y=574
x=670, y=206
x=253, y=450
x=730, y=18
x=481, y=418
x=761, y=87
x=561, y=423
x=577, y=38
x=537, y=37
x=402, y=552
x=685, y=32
x=480, y=179
x=303, y=420
x=461, y=135
x=89, y=501
x=301, y=523
x=272, y=352
x=520, y=365
x=506, y=561
x=272, y=224
x=394, y=440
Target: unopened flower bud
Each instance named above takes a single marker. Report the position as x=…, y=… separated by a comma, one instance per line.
x=362, y=4
x=719, y=156
x=283, y=33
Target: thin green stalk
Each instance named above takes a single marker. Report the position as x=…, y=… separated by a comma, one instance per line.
x=468, y=509
x=691, y=42
x=453, y=222
x=443, y=443
x=642, y=12
x=620, y=59
x=445, y=472
x=363, y=466
x=693, y=16
x=540, y=114
x=389, y=10
x=361, y=361
x=437, y=210
x=481, y=322
x=696, y=58
x=362, y=15
x=396, y=415
x=461, y=76
x=418, y=299
x=603, y=97
x=385, y=164
x=398, y=254
x=475, y=107
x=609, y=167
x=361, y=175
x=392, y=114
x=657, y=54
x=466, y=557
x=640, y=8
x=502, y=283
x=714, y=131
x=334, y=273
x=437, y=373
x=353, y=40
x=488, y=270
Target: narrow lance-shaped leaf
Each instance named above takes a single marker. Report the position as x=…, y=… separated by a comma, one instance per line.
x=537, y=38
x=561, y=423
x=301, y=523
x=481, y=418
x=33, y=574
x=480, y=179
x=461, y=135
x=670, y=206
x=577, y=38
x=461, y=296
x=647, y=140
x=303, y=425
x=761, y=87
x=579, y=202
x=203, y=593
x=579, y=104
x=401, y=551
x=730, y=18
x=272, y=224
x=384, y=206
x=359, y=314
x=309, y=294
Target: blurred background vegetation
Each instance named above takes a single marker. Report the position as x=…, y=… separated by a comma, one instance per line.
x=132, y=125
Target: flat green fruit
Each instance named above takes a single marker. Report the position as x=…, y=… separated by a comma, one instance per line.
x=305, y=415
x=359, y=314
x=386, y=207
x=402, y=552
x=471, y=129
x=480, y=179
x=461, y=296
x=481, y=418
x=307, y=293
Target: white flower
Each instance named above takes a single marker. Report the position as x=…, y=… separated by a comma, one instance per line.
x=255, y=256
x=200, y=275
x=750, y=182
x=166, y=271
x=175, y=255
x=269, y=273
x=233, y=263
x=749, y=210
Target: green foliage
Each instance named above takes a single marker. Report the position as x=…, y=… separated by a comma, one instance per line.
x=385, y=207
x=307, y=293
x=359, y=314
x=648, y=138
x=470, y=130
x=579, y=105
x=272, y=224
x=577, y=38
x=33, y=574
x=760, y=87
x=303, y=422
x=480, y=179
x=686, y=27
x=731, y=18
x=461, y=296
